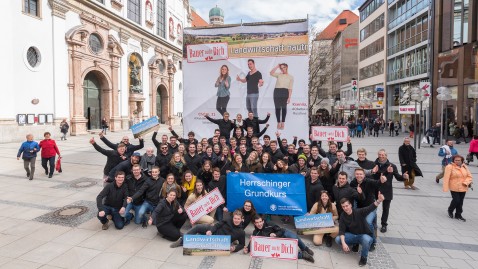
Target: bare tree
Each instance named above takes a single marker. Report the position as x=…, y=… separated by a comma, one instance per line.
x=320, y=71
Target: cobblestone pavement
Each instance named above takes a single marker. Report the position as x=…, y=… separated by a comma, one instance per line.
x=51, y=223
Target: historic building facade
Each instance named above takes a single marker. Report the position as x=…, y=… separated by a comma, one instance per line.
x=85, y=61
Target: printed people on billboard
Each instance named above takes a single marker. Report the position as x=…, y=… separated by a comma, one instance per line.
x=254, y=81
x=282, y=92
x=223, y=83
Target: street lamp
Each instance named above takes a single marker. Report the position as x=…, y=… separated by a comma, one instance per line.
x=444, y=94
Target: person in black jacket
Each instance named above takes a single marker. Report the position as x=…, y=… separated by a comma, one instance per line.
x=368, y=188
x=114, y=157
x=332, y=153
x=169, y=217
x=275, y=152
x=162, y=160
x=270, y=229
x=114, y=196
x=218, y=181
x=225, y=125
x=151, y=191
x=254, y=122
x=353, y=228
x=130, y=148
x=157, y=144
x=313, y=188
x=230, y=227
x=192, y=159
x=343, y=190
x=191, y=137
x=124, y=166
x=384, y=168
x=362, y=160
x=134, y=183
x=408, y=162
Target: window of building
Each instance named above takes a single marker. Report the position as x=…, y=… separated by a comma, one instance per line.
x=32, y=7
x=403, y=10
x=161, y=18
x=370, y=8
x=372, y=49
x=134, y=10
x=414, y=32
x=33, y=57
x=96, y=45
x=371, y=70
x=372, y=27
x=101, y=1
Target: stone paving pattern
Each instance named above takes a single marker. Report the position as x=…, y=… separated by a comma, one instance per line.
x=420, y=234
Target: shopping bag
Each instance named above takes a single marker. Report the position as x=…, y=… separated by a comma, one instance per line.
x=424, y=140
x=58, y=165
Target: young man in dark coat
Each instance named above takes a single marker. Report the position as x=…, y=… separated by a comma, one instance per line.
x=384, y=168
x=408, y=162
x=130, y=148
x=111, y=201
x=225, y=124
x=114, y=157
x=353, y=228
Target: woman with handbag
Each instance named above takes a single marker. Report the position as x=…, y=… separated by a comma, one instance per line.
x=457, y=180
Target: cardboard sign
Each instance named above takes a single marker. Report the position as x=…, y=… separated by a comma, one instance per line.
x=206, y=245
x=313, y=224
x=145, y=126
x=204, y=205
x=276, y=248
x=330, y=133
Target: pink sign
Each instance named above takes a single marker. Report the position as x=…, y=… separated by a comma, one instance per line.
x=276, y=248
x=330, y=133
x=207, y=52
x=204, y=205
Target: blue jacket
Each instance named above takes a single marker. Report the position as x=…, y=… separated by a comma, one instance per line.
x=445, y=160
x=27, y=149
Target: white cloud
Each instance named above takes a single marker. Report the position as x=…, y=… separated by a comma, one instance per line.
x=321, y=12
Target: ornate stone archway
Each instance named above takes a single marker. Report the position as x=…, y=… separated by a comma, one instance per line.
x=100, y=55
x=161, y=71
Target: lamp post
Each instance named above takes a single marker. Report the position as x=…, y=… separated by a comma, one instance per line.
x=444, y=94
x=332, y=103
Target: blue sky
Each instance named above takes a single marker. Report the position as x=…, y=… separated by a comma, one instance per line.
x=320, y=12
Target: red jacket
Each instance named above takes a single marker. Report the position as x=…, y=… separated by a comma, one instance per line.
x=473, y=146
x=48, y=148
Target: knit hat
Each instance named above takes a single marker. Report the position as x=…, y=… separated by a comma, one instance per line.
x=136, y=154
x=326, y=160
x=302, y=156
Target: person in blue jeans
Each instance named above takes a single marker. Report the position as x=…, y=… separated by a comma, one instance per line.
x=134, y=183
x=269, y=229
x=254, y=81
x=354, y=229
x=111, y=202
x=151, y=191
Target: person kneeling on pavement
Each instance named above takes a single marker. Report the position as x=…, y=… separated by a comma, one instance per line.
x=354, y=229
x=325, y=205
x=114, y=196
x=226, y=227
x=269, y=229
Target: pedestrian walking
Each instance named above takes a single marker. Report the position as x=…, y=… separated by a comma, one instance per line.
x=408, y=162
x=64, y=127
x=28, y=151
x=49, y=150
x=104, y=125
x=446, y=151
x=457, y=180
x=473, y=150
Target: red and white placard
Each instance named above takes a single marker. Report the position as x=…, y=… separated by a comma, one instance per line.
x=330, y=133
x=204, y=205
x=207, y=52
x=272, y=247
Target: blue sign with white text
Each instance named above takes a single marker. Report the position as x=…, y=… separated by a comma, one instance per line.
x=314, y=221
x=276, y=194
x=211, y=242
x=145, y=126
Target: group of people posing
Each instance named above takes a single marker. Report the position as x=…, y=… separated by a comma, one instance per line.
x=185, y=169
